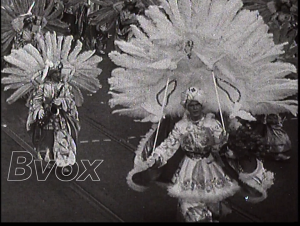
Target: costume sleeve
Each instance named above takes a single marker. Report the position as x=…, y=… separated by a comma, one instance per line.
x=66, y=100
x=167, y=148
x=36, y=105
x=219, y=135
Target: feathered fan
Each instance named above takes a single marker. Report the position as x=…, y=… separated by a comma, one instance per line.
x=277, y=11
x=29, y=64
x=282, y=19
x=214, y=45
x=22, y=19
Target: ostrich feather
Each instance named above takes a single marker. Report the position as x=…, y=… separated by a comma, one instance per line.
x=50, y=11
x=75, y=52
x=93, y=61
x=34, y=53
x=140, y=37
x=16, y=84
x=30, y=63
x=78, y=97
x=66, y=47
x=131, y=49
x=54, y=41
x=14, y=71
x=269, y=107
x=83, y=57
x=49, y=47
x=14, y=79
x=24, y=89
x=12, y=59
x=42, y=46
x=127, y=60
x=28, y=59
x=185, y=41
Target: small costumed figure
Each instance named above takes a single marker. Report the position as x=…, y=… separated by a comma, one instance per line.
x=265, y=137
x=115, y=17
x=245, y=152
x=23, y=20
x=276, y=137
x=52, y=76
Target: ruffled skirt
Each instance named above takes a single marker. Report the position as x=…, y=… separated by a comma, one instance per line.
x=202, y=180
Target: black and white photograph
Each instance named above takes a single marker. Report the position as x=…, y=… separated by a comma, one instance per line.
x=149, y=111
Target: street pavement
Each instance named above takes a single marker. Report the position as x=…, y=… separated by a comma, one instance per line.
x=31, y=200
x=111, y=139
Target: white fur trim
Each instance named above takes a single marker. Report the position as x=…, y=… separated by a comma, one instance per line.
x=139, y=164
x=260, y=179
x=133, y=185
x=202, y=196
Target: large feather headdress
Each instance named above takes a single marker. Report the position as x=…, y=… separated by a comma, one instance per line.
x=110, y=11
x=214, y=45
x=282, y=19
x=48, y=15
x=113, y=18
x=29, y=64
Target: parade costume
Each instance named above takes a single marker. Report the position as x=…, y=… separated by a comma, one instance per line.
x=23, y=20
x=224, y=51
x=53, y=115
x=53, y=75
x=201, y=181
x=276, y=137
x=115, y=17
x=282, y=19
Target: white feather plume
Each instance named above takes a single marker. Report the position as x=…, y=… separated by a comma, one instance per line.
x=28, y=63
x=185, y=40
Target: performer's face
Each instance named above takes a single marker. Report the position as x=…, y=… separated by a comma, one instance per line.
x=195, y=108
x=54, y=76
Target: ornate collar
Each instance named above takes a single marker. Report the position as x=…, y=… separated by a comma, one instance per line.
x=197, y=121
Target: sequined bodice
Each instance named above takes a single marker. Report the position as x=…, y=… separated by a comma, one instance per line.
x=196, y=138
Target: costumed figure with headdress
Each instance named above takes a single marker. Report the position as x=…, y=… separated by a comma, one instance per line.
x=225, y=52
x=23, y=21
x=282, y=19
x=202, y=181
x=276, y=137
x=53, y=120
x=199, y=183
x=53, y=75
x=115, y=17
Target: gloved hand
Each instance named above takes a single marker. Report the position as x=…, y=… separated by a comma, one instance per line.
x=154, y=161
x=224, y=137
